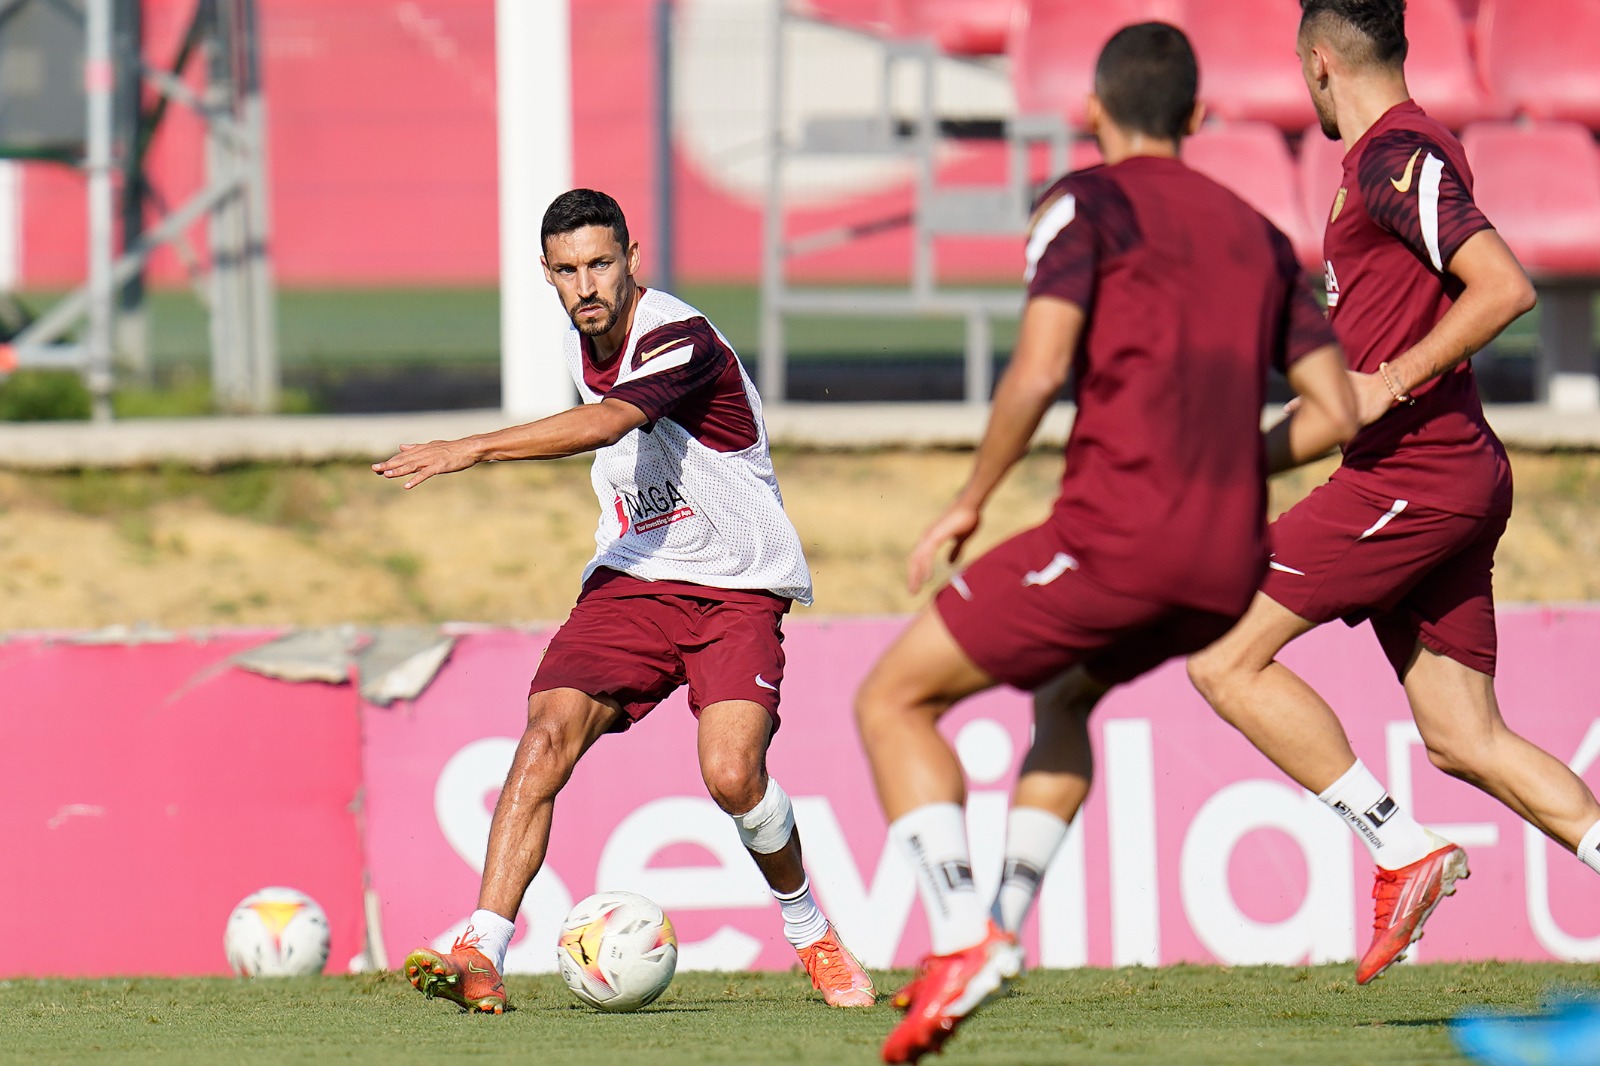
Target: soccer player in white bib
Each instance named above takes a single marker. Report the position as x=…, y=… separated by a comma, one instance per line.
x=695, y=565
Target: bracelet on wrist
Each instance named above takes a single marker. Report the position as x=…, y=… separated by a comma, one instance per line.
x=1394, y=389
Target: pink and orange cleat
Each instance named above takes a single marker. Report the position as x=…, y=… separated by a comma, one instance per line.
x=948, y=989
x=464, y=976
x=1405, y=898
x=834, y=972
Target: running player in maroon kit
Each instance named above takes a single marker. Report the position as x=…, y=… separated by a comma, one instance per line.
x=1404, y=532
x=695, y=566
x=1171, y=299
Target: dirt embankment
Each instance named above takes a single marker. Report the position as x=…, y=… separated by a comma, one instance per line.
x=505, y=542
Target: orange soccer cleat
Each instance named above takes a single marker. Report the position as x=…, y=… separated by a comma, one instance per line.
x=836, y=973
x=465, y=976
x=1405, y=898
x=948, y=988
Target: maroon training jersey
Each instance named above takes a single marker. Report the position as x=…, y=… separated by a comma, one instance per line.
x=1405, y=208
x=1190, y=296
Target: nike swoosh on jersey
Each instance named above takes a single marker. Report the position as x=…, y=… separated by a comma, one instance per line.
x=1403, y=183
x=764, y=683
x=1274, y=564
x=653, y=352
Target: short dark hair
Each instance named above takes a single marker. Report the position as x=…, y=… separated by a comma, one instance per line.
x=1366, y=32
x=1147, y=78
x=578, y=208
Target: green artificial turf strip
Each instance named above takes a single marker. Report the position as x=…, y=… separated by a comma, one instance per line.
x=1273, y=1016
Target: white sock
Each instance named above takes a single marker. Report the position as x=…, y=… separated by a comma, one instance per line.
x=1394, y=837
x=803, y=921
x=934, y=838
x=494, y=935
x=1032, y=837
x=1589, y=848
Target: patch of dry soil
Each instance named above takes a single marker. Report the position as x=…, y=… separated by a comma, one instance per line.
x=505, y=543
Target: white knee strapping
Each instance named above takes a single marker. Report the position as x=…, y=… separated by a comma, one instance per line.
x=767, y=826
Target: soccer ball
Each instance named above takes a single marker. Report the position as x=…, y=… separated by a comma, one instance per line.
x=277, y=932
x=617, y=951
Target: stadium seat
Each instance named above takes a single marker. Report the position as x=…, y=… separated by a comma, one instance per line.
x=1321, y=169
x=1253, y=160
x=1248, y=68
x=1439, y=68
x=1540, y=185
x=1538, y=57
x=958, y=27
x=1054, y=44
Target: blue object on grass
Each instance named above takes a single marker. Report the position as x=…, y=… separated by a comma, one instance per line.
x=1566, y=1034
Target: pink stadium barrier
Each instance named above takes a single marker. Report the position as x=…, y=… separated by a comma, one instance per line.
x=150, y=787
x=1193, y=847
x=153, y=786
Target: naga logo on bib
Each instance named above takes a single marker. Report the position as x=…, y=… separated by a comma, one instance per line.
x=651, y=507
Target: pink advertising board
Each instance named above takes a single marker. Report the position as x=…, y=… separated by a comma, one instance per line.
x=152, y=786
x=1192, y=847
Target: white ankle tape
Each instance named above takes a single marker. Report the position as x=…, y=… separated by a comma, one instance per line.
x=767, y=826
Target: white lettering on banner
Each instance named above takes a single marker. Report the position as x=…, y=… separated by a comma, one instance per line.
x=986, y=752
x=871, y=920
x=471, y=774
x=1064, y=904
x=1536, y=858
x=1131, y=814
x=733, y=883
x=1323, y=929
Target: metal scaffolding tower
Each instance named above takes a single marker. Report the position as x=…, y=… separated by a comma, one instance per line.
x=119, y=125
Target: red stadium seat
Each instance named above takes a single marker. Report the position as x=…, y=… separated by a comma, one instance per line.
x=1540, y=186
x=1054, y=45
x=1439, y=69
x=1248, y=68
x=1539, y=57
x=1253, y=160
x=1321, y=169
x=958, y=27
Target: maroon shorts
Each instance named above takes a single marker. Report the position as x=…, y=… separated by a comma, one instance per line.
x=637, y=647
x=1024, y=613
x=1418, y=574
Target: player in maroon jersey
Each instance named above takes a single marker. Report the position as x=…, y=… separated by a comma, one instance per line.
x=1404, y=532
x=1170, y=299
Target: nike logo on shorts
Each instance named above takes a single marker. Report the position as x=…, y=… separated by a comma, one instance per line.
x=1058, y=566
x=764, y=683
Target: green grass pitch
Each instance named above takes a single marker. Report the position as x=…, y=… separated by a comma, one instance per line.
x=1187, y=1014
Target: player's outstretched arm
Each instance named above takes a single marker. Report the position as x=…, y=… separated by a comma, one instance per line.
x=580, y=429
x=1323, y=416
x=1497, y=293
x=1031, y=383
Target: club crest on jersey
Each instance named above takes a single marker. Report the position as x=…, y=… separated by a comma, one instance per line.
x=652, y=507
x=1338, y=205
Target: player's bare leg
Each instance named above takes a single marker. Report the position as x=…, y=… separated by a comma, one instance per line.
x=1459, y=720
x=732, y=741
x=1294, y=727
x=921, y=788
x=1057, y=773
x=562, y=724
x=1279, y=713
